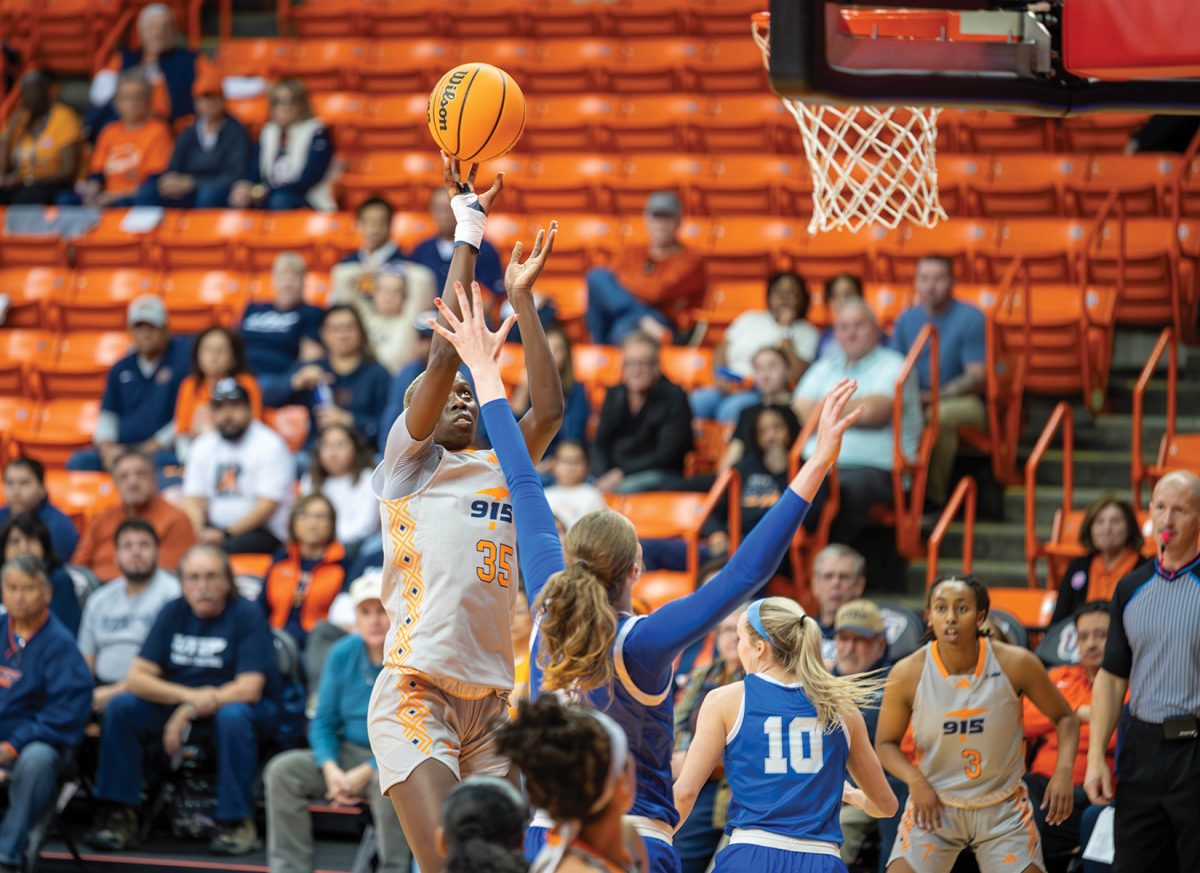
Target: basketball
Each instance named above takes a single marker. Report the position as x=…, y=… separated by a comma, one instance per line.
x=476, y=112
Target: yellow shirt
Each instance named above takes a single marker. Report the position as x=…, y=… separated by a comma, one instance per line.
x=37, y=153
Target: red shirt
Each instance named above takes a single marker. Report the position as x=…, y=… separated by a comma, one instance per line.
x=1075, y=685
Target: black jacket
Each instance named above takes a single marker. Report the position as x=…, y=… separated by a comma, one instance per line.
x=657, y=438
x=1073, y=589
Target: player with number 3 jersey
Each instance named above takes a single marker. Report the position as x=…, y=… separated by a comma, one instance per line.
x=961, y=693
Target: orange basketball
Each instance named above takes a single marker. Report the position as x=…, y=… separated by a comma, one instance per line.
x=476, y=112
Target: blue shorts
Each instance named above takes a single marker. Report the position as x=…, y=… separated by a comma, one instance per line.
x=762, y=859
x=661, y=855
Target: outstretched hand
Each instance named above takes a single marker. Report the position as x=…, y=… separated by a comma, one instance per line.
x=520, y=277
x=455, y=183
x=478, y=346
x=835, y=421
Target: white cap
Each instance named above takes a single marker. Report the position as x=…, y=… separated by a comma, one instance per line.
x=368, y=586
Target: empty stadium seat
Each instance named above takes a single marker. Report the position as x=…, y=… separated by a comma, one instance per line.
x=99, y=299
x=1155, y=284
x=21, y=349
x=29, y=291
x=197, y=299
x=597, y=368
x=108, y=244
x=960, y=240
x=81, y=495
x=394, y=67
x=1050, y=248
x=1025, y=185
x=1142, y=182
x=1032, y=607
x=203, y=239
x=655, y=122
x=79, y=364
x=643, y=173
x=57, y=429
x=687, y=367
x=323, y=237
x=755, y=184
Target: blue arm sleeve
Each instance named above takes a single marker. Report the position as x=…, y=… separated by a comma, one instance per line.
x=654, y=642
x=538, y=547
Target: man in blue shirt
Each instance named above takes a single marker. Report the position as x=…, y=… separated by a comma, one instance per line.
x=25, y=491
x=137, y=412
x=280, y=332
x=45, y=697
x=340, y=765
x=962, y=371
x=208, y=664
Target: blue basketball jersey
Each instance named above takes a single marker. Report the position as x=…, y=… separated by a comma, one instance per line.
x=785, y=774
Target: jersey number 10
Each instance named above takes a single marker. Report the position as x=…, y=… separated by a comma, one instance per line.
x=804, y=745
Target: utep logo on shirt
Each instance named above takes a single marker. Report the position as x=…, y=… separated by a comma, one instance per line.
x=190, y=651
x=964, y=721
x=496, y=510
x=228, y=476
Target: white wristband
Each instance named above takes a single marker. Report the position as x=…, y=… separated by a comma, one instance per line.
x=470, y=219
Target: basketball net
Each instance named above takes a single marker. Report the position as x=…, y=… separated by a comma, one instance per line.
x=869, y=165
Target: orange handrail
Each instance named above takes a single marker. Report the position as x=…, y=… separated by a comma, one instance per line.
x=963, y=497
x=1064, y=417
x=1138, y=470
x=910, y=502
x=109, y=45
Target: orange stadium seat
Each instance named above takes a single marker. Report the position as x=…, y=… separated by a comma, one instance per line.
x=80, y=363
x=730, y=66
x=203, y=239
x=648, y=18
x=986, y=132
x=959, y=239
x=725, y=301
x=290, y=422
x=564, y=183
x=341, y=111
x=250, y=111
x=498, y=18
x=1142, y=257
x=1098, y=132
x=956, y=173
x=197, y=299
x=755, y=185
x=398, y=67
x=515, y=56
x=549, y=18
x=748, y=123
x=1025, y=184
x=254, y=57
x=21, y=350
x=597, y=368
x=327, y=64
x=57, y=429
x=15, y=414
x=410, y=228
x=394, y=122
x=569, y=294
x=1143, y=183
x=688, y=367
x=568, y=123
x=655, y=122
x=825, y=255
x=722, y=17
x=887, y=302
x=81, y=495
x=1051, y=248
x=405, y=178
x=642, y=174
x=1032, y=607
x=31, y=249
x=652, y=66
x=582, y=242
x=29, y=291
x=108, y=244
x=570, y=66
x=316, y=288
x=323, y=237
x=99, y=299
x=750, y=248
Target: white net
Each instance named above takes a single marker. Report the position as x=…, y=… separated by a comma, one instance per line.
x=869, y=165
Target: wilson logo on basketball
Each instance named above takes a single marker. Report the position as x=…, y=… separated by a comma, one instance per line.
x=448, y=95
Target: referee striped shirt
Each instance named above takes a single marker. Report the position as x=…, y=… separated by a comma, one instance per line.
x=1154, y=640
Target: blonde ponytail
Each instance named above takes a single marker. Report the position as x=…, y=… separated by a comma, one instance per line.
x=794, y=641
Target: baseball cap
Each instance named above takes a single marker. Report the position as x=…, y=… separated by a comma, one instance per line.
x=368, y=586
x=208, y=82
x=147, y=309
x=664, y=203
x=229, y=390
x=861, y=617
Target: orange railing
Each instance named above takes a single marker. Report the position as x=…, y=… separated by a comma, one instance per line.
x=964, y=498
x=909, y=501
x=1063, y=417
x=1139, y=472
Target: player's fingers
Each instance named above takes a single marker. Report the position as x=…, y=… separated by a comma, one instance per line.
x=502, y=334
x=848, y=421
x=476, y=302
x=518, y=250
x=472, y=173
x=447, y=313
x=550, y=236
x=463, y=301
x=446, y=334
x=537, y=243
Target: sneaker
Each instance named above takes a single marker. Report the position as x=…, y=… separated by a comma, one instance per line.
x=235, y=837
x=117, y=831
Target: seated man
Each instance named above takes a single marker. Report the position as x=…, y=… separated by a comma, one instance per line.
x=138, y=407
x=45, y=694
x=208, y=157
x=118, y=616
x=239, y=485
x=137, y=486
x=134, y=148
x=1075, y=682
x=357, y=271
x=208, y=664
x=650, y=288
x=864, y=466
x=25, y=491
x=283, y=329
x=340, y=766
x=435, y=252
x=962, y=341
x=839, y=576
x=645, y=428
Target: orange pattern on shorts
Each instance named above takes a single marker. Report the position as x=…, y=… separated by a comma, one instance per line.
x=406, y=563
x=413, y=713
x=1021, y=799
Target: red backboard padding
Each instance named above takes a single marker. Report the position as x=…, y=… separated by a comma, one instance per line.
x=1117, y=39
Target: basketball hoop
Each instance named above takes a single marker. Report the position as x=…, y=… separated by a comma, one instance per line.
x=869, y=165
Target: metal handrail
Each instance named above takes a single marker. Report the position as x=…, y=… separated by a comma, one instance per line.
x=909, y=503
x=1139, y=472
x=963, y=497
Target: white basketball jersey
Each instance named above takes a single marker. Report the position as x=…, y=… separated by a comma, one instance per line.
x=967, y=729
x=450, y=569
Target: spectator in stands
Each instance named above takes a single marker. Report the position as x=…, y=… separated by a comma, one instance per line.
x=434, y=253
x=1110, y=534
x=307, y=573
x=129, y=151
x=207, y=667
x=862, y=648
x=216, y=354
x=961, y=368
x=171, y=70
x=839, y=575
x=645, y=428
x=780, y=326
x=650, y=288
x=138, y=407
x=118, y=616
x=355, y=275
x=864, y=466
x=341, y=471
x=388, y=314
x=291, y=165
x=577, y=411
x=40, y=148
x=208, y=157
x=339, y=767
x=137, y=485
x=44, y=702
x=399, y=383
x=25, y=534
x=839, y=288
x=1074, y=681
x=347, y=386
x=571, y=497
x=697, y=837
x=238, y=487
x=25, y=491
x=774, y=391
x=280, y=332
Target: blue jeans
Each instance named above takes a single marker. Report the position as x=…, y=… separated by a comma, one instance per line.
x=696, y=840
x=131, y=725
x=612, y=312
x=712, y=403
x=200, y=197
x=31, y=788
x=282, y=199
x=70, y=198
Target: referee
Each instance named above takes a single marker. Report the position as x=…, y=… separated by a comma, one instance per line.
x=1153, y=650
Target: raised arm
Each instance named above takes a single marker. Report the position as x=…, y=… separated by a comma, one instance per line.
x=717, y=713
x=470, y=212
x=654, y=642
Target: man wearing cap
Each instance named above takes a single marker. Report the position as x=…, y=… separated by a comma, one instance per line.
x=650, y=287
x=239, y=484
x=208, y=157
x=339, y=767
x=137, y=411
